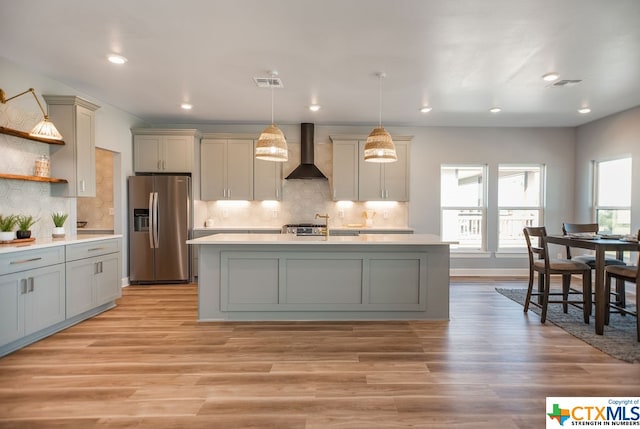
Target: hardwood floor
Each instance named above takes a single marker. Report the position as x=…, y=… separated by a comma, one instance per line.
x=149, y=364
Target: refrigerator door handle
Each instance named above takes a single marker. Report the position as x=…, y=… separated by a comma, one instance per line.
x=156, y=225
x=152, y=221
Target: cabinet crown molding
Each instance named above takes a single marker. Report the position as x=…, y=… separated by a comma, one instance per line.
x=166, y=132
x=69, y=100
x=364, y=137
x=230, y=136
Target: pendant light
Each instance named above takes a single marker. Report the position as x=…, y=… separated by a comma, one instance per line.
x=272, y=146
x=44, y=128
x=379, y=146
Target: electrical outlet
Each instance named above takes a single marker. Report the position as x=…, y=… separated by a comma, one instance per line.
x=274, y=213
x=341, y=214
x=225, y=213
x=111, y=212
x=385, y=214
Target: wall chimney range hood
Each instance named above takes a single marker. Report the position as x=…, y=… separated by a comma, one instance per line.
x=306, y=169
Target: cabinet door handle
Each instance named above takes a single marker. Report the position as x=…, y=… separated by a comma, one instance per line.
x=229, y=193
x=164, y=164
x=96, y=269
x=30, y=282
x=24, y=261
x=93, y=249
x=159, y=165
x=23, y=286
x=82, y=185
x=100, y=266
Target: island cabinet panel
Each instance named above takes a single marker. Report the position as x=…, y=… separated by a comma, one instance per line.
x=322, y=281
x=403, y=274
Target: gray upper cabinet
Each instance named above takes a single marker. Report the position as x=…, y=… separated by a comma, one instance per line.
x=357, y=180
x=345, y=170
x=226, y=170
x=163, y=150
x=267, y=180
x=384, y=181
x=75, y=161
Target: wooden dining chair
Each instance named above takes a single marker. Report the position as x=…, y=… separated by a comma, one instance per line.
x=629, y=274
x=541, y=263
x=578, y=228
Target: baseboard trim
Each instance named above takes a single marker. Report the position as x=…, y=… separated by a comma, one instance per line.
x=489, y=272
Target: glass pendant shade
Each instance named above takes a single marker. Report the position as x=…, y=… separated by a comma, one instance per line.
x=380, y=147
x=272, y=145
x=46, y=129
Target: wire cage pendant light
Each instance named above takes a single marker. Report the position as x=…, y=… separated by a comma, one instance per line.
x=379, y=146
x=272, y=146
x=44, y=128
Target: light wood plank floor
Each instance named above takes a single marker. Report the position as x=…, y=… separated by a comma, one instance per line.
x=149, y=364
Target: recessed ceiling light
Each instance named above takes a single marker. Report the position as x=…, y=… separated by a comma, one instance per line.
x=116, y=59
x=550, y=77
x=186, y=106
x=426, y=109
x=495, y=110
x=314, y=107
x=584, y=110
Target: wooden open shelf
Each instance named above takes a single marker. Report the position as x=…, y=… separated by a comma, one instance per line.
x=24, y=135
x=32, y=178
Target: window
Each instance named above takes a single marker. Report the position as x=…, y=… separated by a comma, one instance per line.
x=462, y=202
x=520, y=202
x=613, y=195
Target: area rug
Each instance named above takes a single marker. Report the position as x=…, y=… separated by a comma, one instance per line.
x=619, y=339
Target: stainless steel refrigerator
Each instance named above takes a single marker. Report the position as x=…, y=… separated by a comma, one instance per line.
x=159, y=226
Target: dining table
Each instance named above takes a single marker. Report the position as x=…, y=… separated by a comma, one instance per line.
x=600, y=244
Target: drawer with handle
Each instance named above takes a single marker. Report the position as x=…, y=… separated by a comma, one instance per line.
x=92, y=248
x=29, y=259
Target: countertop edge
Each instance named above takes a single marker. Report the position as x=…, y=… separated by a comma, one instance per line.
x=41, y=243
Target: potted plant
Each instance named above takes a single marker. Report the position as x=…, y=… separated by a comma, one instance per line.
x=6, y=227
x=58, y=221
x=25, y=222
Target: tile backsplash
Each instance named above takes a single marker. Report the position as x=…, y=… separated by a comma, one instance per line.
x=18, y=157
x=302, y=199
x=98, y=211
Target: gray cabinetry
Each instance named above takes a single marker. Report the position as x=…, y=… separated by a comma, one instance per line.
x=32, y=293
x=163, y=150
x=357, y=180
x=226, y=170
x=74, y=161
x=267, y=180
x=93, y=275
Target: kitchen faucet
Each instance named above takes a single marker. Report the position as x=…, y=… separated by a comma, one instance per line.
x=325, y=232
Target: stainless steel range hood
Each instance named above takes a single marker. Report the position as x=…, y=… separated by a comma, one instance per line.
x=306, y=169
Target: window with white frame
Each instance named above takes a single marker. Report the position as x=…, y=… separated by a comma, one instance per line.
x=520, y=202
x=462, y=204
x=613, y=195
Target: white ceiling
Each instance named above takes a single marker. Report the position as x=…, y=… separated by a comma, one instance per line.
x=459, y=56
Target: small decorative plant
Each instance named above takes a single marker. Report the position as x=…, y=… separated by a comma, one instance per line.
x=59, y=219
x=58, y=222
x=25, y=222
x=7, y=223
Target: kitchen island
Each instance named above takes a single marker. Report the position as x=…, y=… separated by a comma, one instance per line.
x=288, y=277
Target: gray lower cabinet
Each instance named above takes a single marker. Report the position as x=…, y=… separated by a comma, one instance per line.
x=32, y=293
x=30, y=301
x=93, y=271
x=42, y=291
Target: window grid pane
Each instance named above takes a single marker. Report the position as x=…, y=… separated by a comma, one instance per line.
x=520, y=196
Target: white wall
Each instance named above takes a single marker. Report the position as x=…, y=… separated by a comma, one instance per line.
x=112, y=133
x=616, y=136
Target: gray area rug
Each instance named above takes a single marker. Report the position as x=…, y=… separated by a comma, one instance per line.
x=619, y=339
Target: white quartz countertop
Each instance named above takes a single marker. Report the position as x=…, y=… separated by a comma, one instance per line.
x=42, y=242
x=290, y=239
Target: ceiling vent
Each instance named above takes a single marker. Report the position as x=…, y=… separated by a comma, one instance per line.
x=268, y=82
x=566, y=82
